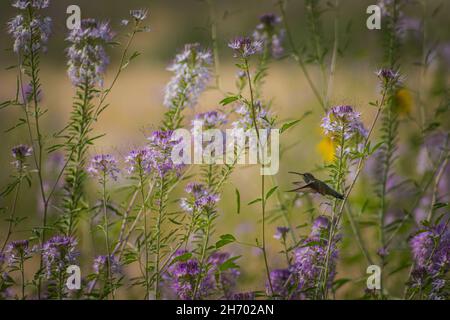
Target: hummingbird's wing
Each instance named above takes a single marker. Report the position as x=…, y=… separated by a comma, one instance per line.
x=305, y=188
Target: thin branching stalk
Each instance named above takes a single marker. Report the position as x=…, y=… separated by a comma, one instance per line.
x=424, y=63
x=22, y=274
x=263, y=196
x=106, y=230
x=334, y=53
x=298, y=57
x=317, y=43
x=146, y=235
x=215, y=44
x=31, y=61
x=13, y=213
x=161, y=208
x=438, y=180
x=77, y=150
x=284, y=210
x=204, y=248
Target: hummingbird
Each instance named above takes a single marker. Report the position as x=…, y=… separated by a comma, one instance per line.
x=314, y=185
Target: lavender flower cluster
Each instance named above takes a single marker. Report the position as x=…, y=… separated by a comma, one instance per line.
x=87, y=55
x=30, y=32
x=200, y=198
x=192, y=72
x=58, y=253
x=310, y=259
x=20, y=153
x=149, y=231
x=263, y=118
x=343, y=123
x=270, y=34
x=182, y=276
x=211, y=119
x=431, y=253
x=245, y=47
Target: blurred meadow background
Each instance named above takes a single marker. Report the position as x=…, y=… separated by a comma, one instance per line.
x=136, y=109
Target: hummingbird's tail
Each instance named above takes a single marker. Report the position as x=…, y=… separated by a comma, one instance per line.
x=337, y=195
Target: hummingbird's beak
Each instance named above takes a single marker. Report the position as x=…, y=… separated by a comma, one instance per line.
x=300, y=174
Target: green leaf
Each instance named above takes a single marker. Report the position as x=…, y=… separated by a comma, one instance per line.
x=287, y=125
x=224, y=240
x=290, y=124
x=229, y=264
x=238, y=201
x=439, y=205
x=5, y=104
x=229, y=100
x=254, y=201
x=183, y=257
x=375, y=148
x=271, y=191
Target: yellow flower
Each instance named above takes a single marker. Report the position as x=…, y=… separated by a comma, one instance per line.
x=403, y=102
x=326, y=149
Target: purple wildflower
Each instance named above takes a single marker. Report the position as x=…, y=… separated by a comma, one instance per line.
x=211, y=119
x=30, y=33
x=17, y=251
x=281, y=233
x=344, y=121
x=36, y=4
x=226, y=279
x=264, y=118
x=310, y=257
x=20, y=153
x=139, y=160
x=309, y=261
x=243, y=296
x=245, y=47
x=87, y=56
x=383, y=252
x=270, y=34
x=192, y=72
x=431, y=249
x=200, y=198
x=161, y=144
x=101, y=261
x=58, y=253
x=283, y=283
x=102, y=166
x=320, y=224
x=139, y=14
x=389, y=6
x=389, y=76
x=182, y=276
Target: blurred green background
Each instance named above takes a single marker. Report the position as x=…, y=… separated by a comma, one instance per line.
x=136, y=105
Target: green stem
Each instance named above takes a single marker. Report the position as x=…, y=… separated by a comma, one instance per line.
x=297, y=56
x=108, y=248
x=144, y=208
x=202, y=257
x=22, y=274
x=12, y=214
x=212, y=14
x=263, y=199
x=158, y=239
